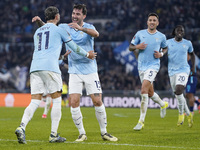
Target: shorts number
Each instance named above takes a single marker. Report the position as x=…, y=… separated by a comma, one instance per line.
x=98, y=84
x=150, y=73
x=181, y=78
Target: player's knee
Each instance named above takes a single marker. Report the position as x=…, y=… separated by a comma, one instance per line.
x=179, y=89
x=97, y=102
x=178, y=92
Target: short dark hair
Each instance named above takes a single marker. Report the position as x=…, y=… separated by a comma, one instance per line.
x=153, y=14
x=50, y=13
x=178, y=26
x=81, y=6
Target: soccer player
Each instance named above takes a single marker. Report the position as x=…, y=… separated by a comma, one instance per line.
x=179, y=70
x=45, y=73
x=191, y=87
x=83, y=71
x=149, y=42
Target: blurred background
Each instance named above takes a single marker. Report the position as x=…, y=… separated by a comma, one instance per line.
x=117, y=22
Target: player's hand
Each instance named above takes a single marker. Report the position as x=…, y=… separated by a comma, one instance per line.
x=157, y=54
x=36, y=18
x=66, y=54
x=141, y=46
x=92, y=55
x=75, y=26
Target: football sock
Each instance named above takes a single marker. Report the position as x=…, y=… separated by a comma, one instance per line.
x=47, y=105
x=157, y=99
x=181, y=103
x=102, y=118
x=55, y=114
x=78, y=119
x=29, y=111
x=143, y=107
x=186, y=109
x=191, y=108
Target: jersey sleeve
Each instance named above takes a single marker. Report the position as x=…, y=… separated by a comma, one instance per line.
x=71, y=44
x=135, y=40
x=190, y=49
x=164, y=42
x=64, y=35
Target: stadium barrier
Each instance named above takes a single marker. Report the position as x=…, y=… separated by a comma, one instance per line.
x=120, y=101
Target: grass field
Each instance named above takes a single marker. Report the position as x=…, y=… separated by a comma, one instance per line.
x=158, y=133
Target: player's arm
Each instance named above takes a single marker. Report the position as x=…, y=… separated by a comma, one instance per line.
x=140, y=46
x=161, y=53
x=91, y=32
x=77, y=49
x=192, y=56
x=38, y=21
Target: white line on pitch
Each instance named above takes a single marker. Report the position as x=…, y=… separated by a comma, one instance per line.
x=117, y=144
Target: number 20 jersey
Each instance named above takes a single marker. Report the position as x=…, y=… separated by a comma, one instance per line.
x=177, y=56
x=48, y=41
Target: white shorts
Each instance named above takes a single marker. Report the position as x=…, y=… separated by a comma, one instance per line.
x=178, y=79
x=149, y=75
x=42, y=81
x=91, y=81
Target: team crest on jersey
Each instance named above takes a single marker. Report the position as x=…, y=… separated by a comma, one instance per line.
x=157, y=39
x=81, y=33
x=185, y=46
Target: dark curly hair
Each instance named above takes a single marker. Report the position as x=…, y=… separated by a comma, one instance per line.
x=81, y=6
x=50, y=13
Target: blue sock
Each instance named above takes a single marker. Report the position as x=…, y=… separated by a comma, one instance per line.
x=191, y=108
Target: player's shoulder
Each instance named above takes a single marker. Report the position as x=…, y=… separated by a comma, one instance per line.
x=170, y=40
x=187, y=41
x=160, y=33
x=86, y=24
x=142, y=31
x=63, y=25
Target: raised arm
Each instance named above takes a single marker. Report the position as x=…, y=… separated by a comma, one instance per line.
x=91, y=32
x=38, y=21
x=91, y=54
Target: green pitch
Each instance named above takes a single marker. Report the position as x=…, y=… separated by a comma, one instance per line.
x=157, y=133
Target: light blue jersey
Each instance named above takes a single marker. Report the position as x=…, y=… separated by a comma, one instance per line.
x=146, y=59
x=177, y=56
x=48, y=41
x=79, y=64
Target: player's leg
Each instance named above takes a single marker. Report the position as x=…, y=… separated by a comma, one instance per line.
x=180, y=83
x=190, y=92
x=53, y=82
x=144, y=104
x=75, y=91
x=156, y=98
x=47, y=106
x=147, y=77
x=93, y=87
x=191, y=99
x=35, y=81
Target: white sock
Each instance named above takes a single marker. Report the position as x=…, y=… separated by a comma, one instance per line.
x=186, y=109
x=78, y=119
x=101, y=117
x=47, y=105
x=181, y=103
x=29, y=111
x=55, y=115
x=157, y=99
x=143, y=107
